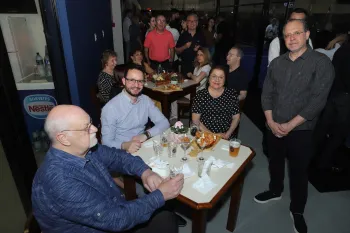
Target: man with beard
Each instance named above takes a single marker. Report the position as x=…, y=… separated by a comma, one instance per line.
x=73, y=190
x=125, y=116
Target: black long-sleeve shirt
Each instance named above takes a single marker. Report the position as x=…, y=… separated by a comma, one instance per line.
x=341, y=62
x=299, y=87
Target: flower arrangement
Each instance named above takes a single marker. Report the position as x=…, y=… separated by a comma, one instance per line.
x=179, y=128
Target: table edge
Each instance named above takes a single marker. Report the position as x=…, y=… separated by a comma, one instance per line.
x=216, y=198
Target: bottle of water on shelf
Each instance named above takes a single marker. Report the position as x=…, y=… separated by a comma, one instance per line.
x=47, y=64
x=40, y=65
x=160, y=69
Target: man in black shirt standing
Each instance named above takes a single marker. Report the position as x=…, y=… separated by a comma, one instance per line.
x=189, y=43
x=237, y=76
x=294, y=93
x=335, y=119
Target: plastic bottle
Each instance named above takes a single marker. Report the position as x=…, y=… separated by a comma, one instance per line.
x=40, y=65
x=47, y=64
x=160, y=69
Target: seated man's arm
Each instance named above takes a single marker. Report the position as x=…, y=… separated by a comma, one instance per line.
x=159, y=120
x=109, y=121
x=81, y=203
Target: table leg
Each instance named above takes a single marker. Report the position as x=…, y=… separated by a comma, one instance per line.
x=129, y=188
x=199, y=221
x=234, y=204
x=166, y=107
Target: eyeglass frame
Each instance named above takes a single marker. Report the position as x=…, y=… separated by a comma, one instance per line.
x=134, y=81
x=297, y=33
x=221, y=78
x=87, y=129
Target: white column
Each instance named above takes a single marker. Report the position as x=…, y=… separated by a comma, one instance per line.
x=117, y=30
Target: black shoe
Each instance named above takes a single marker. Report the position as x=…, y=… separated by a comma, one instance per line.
x=267, y=196
x=299, y=223
x=181, y=221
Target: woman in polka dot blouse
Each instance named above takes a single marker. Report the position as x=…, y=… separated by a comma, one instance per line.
x=216, y=108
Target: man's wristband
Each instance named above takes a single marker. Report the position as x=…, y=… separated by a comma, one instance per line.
x=148, y=135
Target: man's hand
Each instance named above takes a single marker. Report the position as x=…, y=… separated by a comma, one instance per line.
x=131, y=146
x=188, y=44
x=141, y=138
x=276, y=130
x=286, y=128
x=196, y=48
x=171, y=188
x=151, y=180
x=189, y=74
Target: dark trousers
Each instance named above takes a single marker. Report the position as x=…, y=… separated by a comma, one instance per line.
x=332, y=129
x=161, y=221
x=297, y=148
x=165, y=65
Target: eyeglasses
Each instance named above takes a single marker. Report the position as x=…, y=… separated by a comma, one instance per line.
x=287, y=36
x=134, y=81
x=87, y=129
x=217, y=78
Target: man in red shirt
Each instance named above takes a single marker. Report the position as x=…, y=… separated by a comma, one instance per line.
x=159, y=45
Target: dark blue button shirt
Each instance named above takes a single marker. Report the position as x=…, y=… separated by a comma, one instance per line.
x=74, y=194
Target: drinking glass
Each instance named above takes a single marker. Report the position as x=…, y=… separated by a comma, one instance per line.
x=201, y=144
x=185, y=143
x=165, y=139
x=235, y=145
x=172, y=149
x=175, y=170
x=157, y=147
x=193, y=129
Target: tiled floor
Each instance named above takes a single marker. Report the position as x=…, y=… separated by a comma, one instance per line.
x=325, y=212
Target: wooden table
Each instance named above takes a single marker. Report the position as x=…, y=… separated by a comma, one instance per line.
x=166, y=98
x=226, y=179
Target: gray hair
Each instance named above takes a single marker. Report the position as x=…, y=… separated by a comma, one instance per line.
x=239, y=52
x=302, y=21
x=54, y=126
x=192, y=14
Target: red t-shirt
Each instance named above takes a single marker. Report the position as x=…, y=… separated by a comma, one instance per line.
x=159, y=44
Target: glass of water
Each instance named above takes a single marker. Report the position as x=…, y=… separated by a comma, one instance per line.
x=164, y=138
x=172, y=149
x=175, y=170
x=157, y=147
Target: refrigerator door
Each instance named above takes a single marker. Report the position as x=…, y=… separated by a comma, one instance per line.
x=23, y=45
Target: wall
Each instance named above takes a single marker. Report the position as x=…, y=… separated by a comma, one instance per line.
x=117, y=30
x=12, y=215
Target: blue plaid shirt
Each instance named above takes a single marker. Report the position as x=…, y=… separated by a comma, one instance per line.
x=74, y=194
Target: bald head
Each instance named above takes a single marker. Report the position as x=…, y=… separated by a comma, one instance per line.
x=62, y=117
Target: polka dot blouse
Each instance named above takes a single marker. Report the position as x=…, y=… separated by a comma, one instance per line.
x=216, y=113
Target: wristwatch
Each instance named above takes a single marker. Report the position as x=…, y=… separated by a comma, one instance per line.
x=148, y=135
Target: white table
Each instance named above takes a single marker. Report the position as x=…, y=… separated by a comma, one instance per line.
x=225, y=178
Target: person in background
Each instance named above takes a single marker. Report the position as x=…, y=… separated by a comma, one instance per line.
x=135, y=34
x=202, y=68
x=209, y=34
x=334, y=124
x=73, y=190
x=199, y=75
x=151, y=24
x=126, y=35
x=189, y=43
x=176, y=36
x=124, y=117
x=174, y=21
x=106, y=79
x=159, y=45
x=223, y=41
x=183, y=26
x=137, y=59
x=215, y=108
x=271, y=31
x=237, y=76
x=294, y=93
